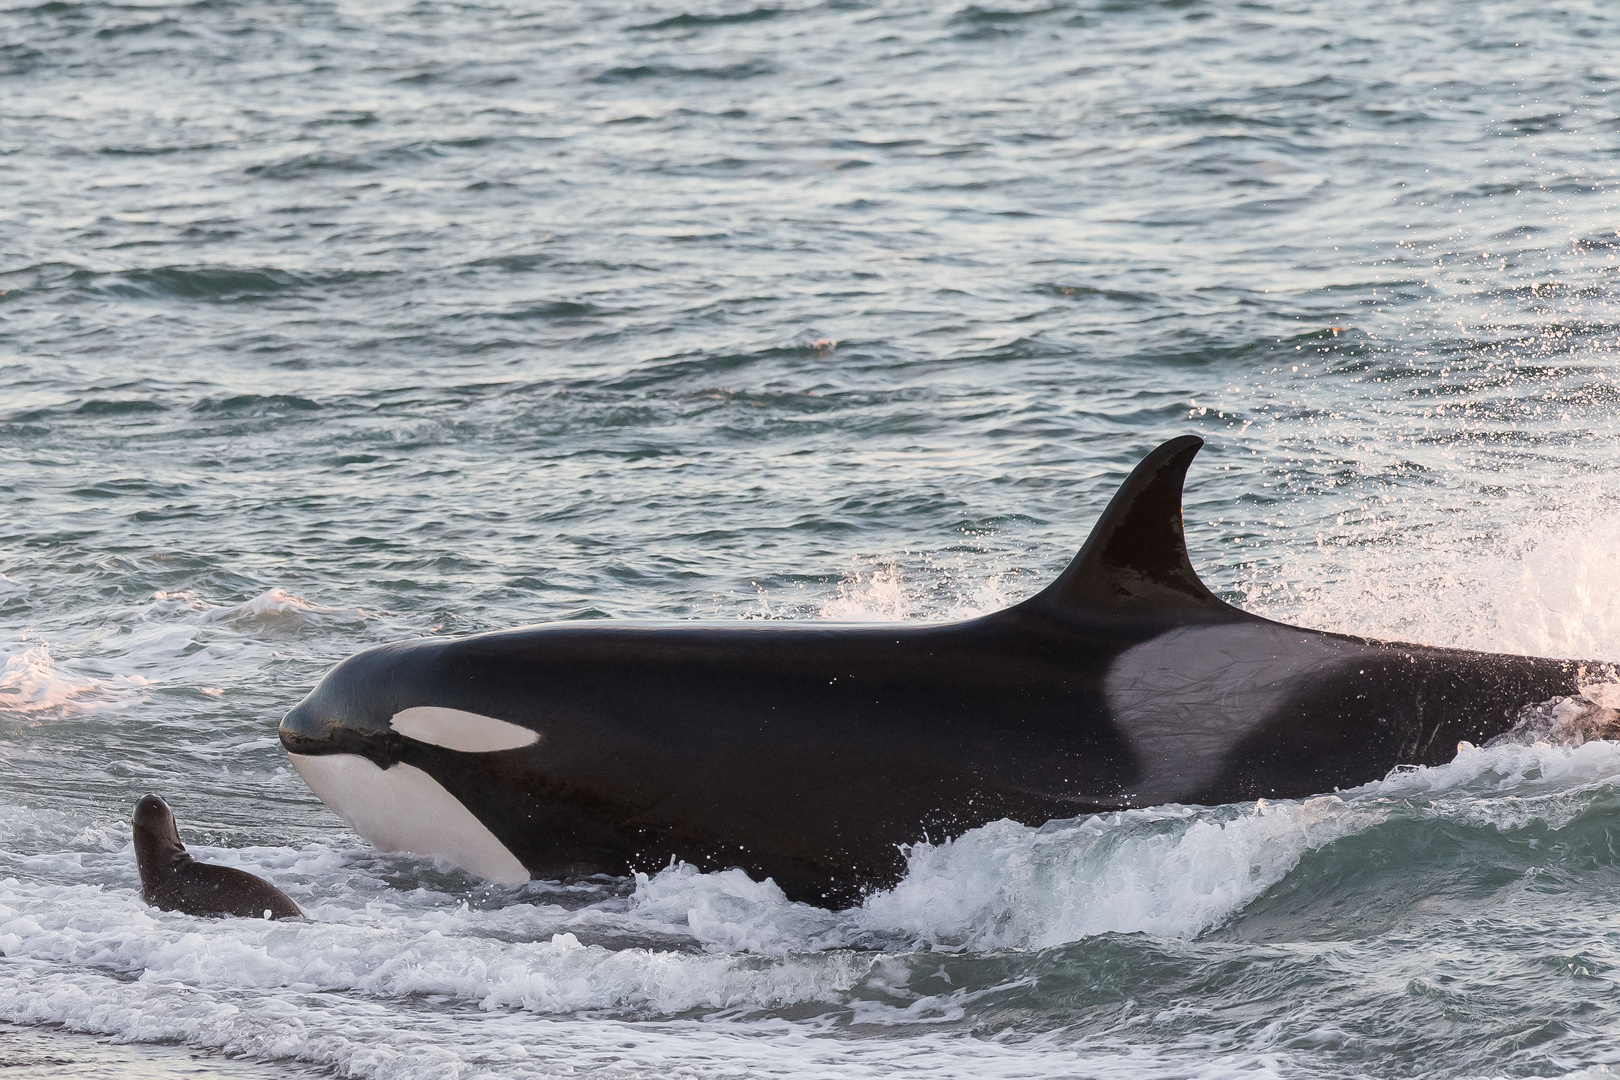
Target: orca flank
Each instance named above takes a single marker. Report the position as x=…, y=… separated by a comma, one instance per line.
x=810, y=753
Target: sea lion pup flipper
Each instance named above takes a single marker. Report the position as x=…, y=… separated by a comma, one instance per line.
x=172, y=880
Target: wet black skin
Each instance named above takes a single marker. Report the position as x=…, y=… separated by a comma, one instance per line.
x=172, y=880
x=810, y=753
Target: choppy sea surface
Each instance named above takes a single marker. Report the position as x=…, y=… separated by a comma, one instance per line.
x=329, y=324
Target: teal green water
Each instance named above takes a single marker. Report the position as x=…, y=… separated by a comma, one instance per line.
x=328, y=324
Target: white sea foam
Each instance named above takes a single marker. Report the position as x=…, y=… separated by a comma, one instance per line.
x=881, y=591
x=1175, y=871
x=343, y=995
x=730, y=912
x=512, y=982
x=1506, y=769
x=361, y=1038
x=1543, y=588
x=277, y=608
x=875, y=595
x=32, y=681
x=1170, y=871
x=174, y=638
x=29, y=683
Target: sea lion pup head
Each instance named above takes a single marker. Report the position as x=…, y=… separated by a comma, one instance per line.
x=157, y=846
x=156, y=837
x=154, y=825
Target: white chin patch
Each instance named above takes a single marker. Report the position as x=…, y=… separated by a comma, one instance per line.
x=465, y=731
x=405, y=809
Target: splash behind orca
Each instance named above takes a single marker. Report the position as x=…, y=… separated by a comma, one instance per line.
x=811, y=752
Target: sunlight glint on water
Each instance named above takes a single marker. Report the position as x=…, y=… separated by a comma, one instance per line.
x=323, y=326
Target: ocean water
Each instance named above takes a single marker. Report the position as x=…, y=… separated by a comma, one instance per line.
x=324, y=324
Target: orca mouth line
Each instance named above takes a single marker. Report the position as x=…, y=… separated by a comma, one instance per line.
x=302, y=733
x=430, y=725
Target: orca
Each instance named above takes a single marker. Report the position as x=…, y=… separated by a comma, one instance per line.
x=173, y=881
x=812, y=753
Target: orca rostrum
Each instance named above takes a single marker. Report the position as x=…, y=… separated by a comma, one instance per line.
x=811, y=753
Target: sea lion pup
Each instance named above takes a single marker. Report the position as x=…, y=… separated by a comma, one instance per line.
x=172, y=880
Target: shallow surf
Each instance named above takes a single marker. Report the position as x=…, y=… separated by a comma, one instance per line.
x=324, y=325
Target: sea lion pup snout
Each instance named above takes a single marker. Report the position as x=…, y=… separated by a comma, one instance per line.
x=172, y=880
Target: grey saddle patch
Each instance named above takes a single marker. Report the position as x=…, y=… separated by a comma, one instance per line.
x=1185, y=699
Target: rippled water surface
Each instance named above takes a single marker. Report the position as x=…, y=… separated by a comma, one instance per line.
x=328, y=324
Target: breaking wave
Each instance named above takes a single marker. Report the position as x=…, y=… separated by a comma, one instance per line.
x=32, y=682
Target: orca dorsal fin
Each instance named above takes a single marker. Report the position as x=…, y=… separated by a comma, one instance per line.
x=1134, y=564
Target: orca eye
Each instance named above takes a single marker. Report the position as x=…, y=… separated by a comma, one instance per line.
x=454, y=729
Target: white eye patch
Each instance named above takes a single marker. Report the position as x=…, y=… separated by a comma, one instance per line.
x=465, y=731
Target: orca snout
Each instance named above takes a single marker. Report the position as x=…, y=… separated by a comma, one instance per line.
x=337, y=718
x=350, y=710
x=304, y=731
x=309, y=728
